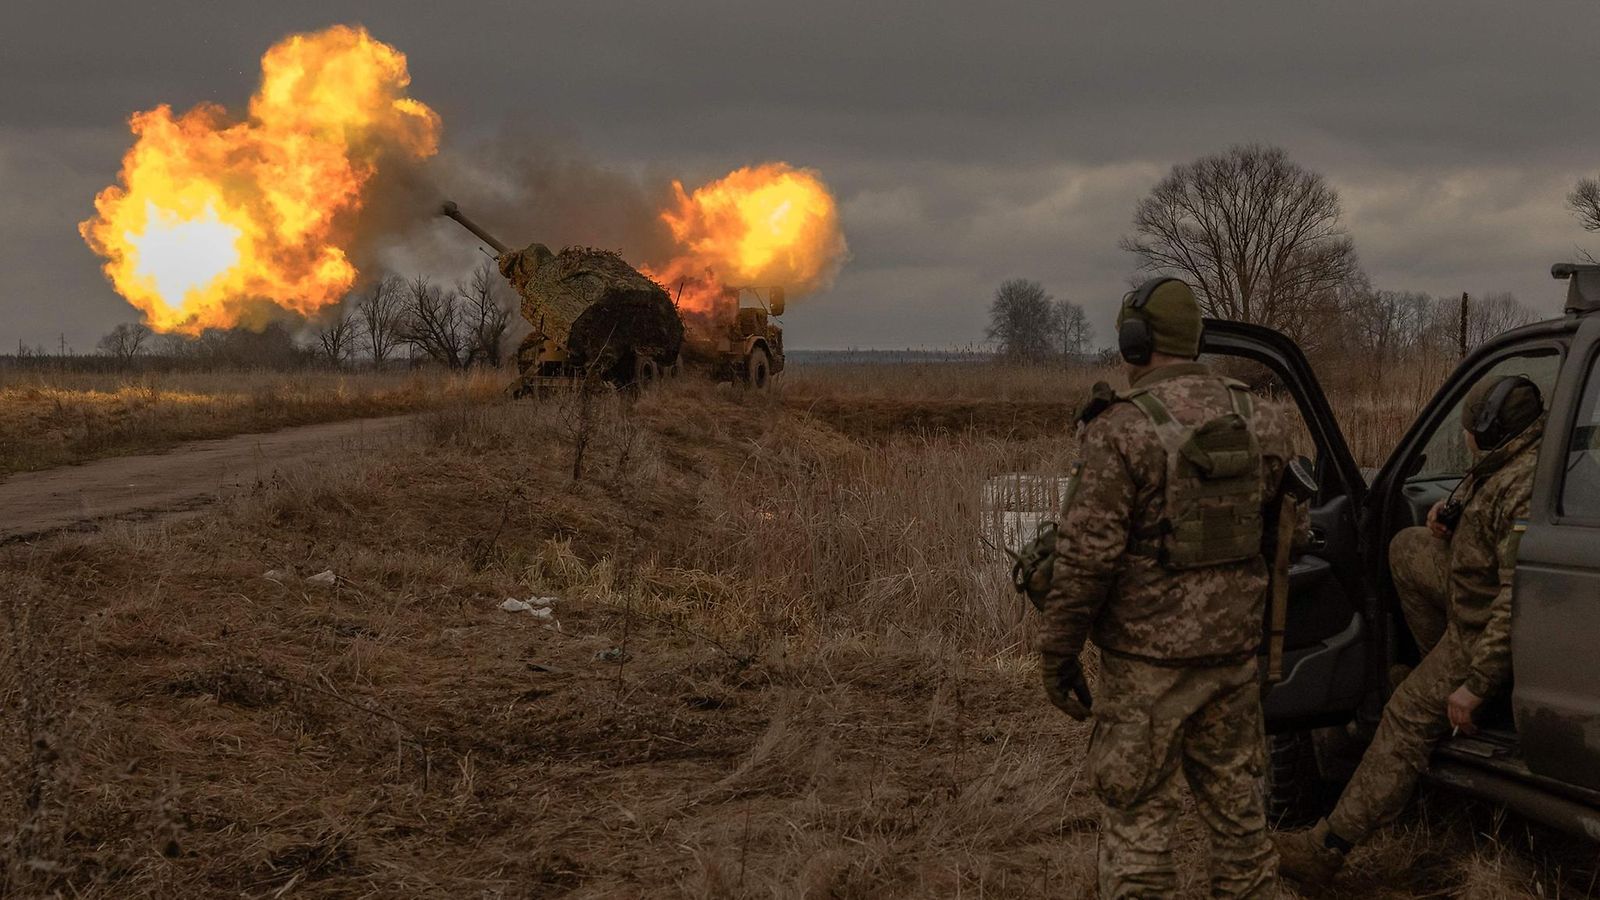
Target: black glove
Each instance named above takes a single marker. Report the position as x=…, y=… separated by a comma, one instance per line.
x=1064, y=684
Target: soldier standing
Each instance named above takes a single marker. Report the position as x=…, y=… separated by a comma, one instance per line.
x=1159, y=559
x=1454, y=579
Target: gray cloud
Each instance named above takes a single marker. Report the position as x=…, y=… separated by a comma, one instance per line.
x=967, y=142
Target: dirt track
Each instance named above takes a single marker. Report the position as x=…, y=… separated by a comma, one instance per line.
x=184, y=477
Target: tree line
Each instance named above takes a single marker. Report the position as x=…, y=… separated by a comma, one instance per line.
x=469, y=323
x=1029, y=325
x=1261, y=240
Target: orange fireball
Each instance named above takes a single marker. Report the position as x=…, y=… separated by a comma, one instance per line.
x=216, y=217
x=759, y=226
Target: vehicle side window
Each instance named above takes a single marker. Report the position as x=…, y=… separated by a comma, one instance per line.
x=1446, y=454
x=1580, y=490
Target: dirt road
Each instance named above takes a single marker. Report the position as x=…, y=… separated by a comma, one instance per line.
x=185, y=477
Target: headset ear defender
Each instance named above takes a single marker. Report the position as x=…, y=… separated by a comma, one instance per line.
x=1135, y=339
x=1491, y=427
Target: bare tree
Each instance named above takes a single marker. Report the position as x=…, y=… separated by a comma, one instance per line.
x=125, y=342
x=173, y=345
x=1022, y=321
x=338, y=335
x=1492, y=314
x=433, y=323
x=1073, y=330
x=485, y=316
x=1257, y=236
x=1388, y=326
x=1584, y=201
x=380, y=309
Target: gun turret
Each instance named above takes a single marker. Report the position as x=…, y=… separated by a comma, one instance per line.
x=589, y=309
x=450, y=210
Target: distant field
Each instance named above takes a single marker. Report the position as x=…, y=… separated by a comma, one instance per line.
x=780, y=662
x=871, y=393
x=56, y=418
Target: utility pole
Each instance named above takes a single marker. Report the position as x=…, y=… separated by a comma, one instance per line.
x=1461, y=336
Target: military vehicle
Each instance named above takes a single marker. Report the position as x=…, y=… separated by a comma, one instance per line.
x=595, y=316
x=735, y=341
x=1537, y=750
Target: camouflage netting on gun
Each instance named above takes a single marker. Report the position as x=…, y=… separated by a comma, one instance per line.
x=593, y=301
x=625, y=325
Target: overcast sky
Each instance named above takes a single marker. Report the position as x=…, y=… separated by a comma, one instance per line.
x=967, y=143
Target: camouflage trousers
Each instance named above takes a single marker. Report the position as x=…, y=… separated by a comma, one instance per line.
x=1420, y=564
x=1414, y=719
x=1150, y=723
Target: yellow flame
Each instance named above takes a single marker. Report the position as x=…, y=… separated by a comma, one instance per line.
x=759, y=226
x=214, y=216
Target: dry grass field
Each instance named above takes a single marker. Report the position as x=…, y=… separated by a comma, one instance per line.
x=57, y=418
x=780, y=663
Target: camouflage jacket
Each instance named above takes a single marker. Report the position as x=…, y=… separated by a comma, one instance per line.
x=1483, y=556
x=1107, y=585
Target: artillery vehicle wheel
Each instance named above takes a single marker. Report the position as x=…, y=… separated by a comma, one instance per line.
x=758, y=369
x=646, y=372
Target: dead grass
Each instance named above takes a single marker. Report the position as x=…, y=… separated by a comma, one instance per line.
x=875, y=402
x=870, y=401
x=785, y=666
x=58, y=418
x=988, y=382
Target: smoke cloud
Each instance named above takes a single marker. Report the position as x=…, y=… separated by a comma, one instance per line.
x=521, y=190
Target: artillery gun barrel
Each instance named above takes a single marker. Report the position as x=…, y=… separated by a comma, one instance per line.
x=452, y=211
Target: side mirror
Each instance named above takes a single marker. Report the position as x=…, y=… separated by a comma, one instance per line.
x=776, y=304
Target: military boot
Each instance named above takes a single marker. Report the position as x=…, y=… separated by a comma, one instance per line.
x=1307, y=856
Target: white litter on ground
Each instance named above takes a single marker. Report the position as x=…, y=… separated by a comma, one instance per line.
x=326, y=576
x=532, y=604
x=538, y=607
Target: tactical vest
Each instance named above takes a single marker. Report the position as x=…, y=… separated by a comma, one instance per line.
x=1213, y=492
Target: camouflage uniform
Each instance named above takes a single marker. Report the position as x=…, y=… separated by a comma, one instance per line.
x=1420, y=564
x=1472, y=648
x=1179, y=686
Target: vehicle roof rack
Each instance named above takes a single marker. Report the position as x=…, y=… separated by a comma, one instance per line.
x=1583, y=285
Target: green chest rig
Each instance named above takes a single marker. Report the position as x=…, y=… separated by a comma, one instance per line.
x=1213, y=505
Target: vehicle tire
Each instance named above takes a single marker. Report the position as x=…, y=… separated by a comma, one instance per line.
x=1293, y=786
x=646, y=372
x=758, y=369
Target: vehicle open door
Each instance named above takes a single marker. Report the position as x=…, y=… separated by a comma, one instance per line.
x=1533, y=750
x=1330, y=657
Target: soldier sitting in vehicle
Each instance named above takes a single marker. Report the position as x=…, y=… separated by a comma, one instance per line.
x=1454, y=580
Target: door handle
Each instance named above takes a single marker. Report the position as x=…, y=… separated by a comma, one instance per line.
x=1318, y=541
